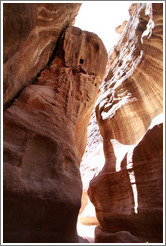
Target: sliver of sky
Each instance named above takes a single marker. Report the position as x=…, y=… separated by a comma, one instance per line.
x=102, y=17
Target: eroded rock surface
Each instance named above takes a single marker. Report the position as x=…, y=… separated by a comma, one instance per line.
x=31, y=32
x=127, y=192
x=132, y=207
x=133, y=88
x=44, y=140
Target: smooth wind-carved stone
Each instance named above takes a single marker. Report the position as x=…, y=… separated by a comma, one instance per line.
x=87, y=46
x=44, y=140
x=127, y=192
x=132, y=207
x=133, y=88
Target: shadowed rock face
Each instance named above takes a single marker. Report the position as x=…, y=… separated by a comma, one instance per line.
x=132, y=207
x=44, y=140
x=30, y=35
x=127, y=192
x=45, y=127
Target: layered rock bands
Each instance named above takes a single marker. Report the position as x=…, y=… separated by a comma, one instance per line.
x=127, y=191
x=52, y=74
x=30, y=33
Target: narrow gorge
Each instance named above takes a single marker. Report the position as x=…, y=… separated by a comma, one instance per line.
x=82, y=126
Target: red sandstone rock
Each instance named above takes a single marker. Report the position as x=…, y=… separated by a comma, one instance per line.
x=30, y=35
x=118, y=237
x=133, y=91
x=139, y=213
x=120, y=28
x=132, y=8
x=44, y=140
x=134, y=80
x=131, y=96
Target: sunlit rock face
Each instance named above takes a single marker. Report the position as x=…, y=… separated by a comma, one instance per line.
x=87, y=215
x=127, y=192
x=131, y=95
x=31, y=32
x=131, y=10
x=91, y=164
x=120, y=28
x=93, y=158
x=44, y=140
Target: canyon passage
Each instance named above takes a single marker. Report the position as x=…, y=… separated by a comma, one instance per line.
x=82, y=126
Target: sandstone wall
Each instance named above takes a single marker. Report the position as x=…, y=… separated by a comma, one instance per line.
x=127, y=192
x=30, y=33
x=52, y=76
x=45, y=133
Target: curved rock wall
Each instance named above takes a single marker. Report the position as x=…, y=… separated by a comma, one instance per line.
x=44, y=140
x=129, y=203
x=45, y=125
x=127, y=192
x=30, y=33
x=133, y=88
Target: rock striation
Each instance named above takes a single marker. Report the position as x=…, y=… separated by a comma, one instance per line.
x=52, y=74
x=127, y=192
x=45, y=136
x=134, y=79
x=30, y=34
x=132, y=209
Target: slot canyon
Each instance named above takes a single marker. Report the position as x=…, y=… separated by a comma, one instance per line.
x=82, y=127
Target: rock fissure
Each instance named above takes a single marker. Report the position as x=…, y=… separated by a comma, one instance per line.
x=35, y=39
x=63, y=99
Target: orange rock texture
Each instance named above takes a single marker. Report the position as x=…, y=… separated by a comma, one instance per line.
x=52, y=73
x=31, y=32
x=45, y=133
x=127, y=192
x=119, y=29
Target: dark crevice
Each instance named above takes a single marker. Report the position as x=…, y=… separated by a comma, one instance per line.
x=59, y=43
x=8, y=104
x=81, y=61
